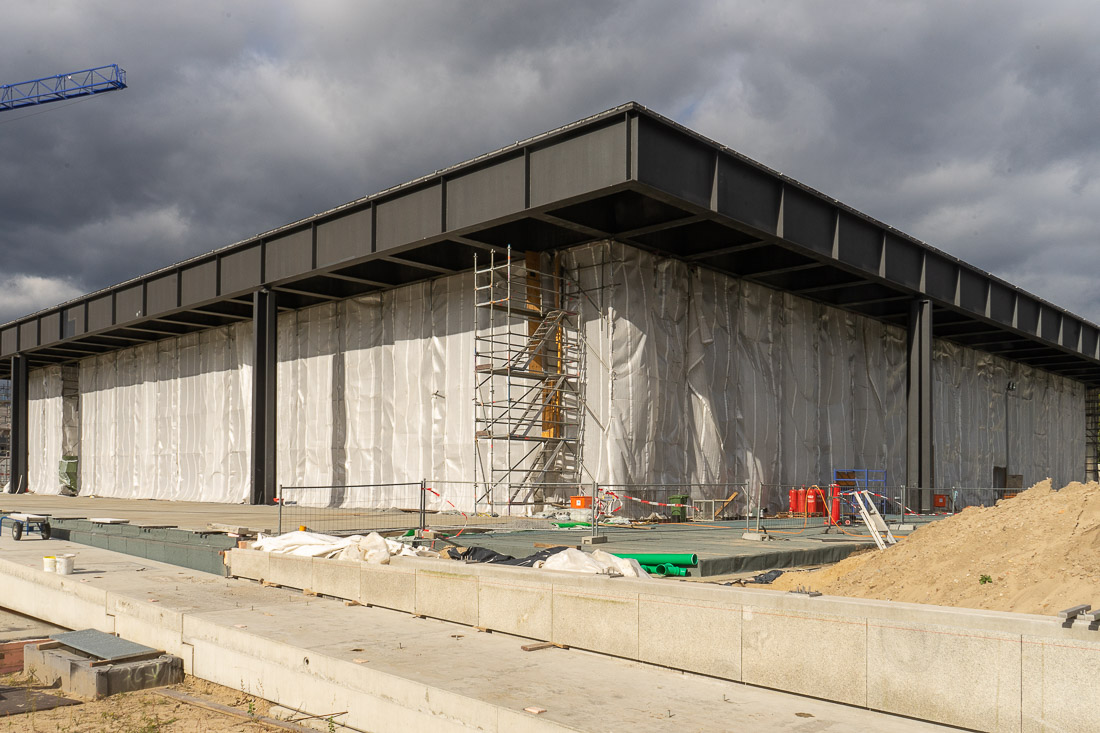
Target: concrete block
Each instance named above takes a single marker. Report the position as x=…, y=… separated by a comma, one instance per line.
x=804, y=652
x=336, y=578
x=690, y=631
x=944, y=674
x=596, y=615
x=77, y=676
x=519, y=602
x=1059, y=683
x=289, y=570
x=388, y=586
x=451, y=596
x=160, y=552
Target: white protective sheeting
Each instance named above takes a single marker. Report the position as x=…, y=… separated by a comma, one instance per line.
x=169, y=420
x=710, y=379
x=692, y=377
x=379, y=390
x=373, y=548
x=44, y=428
x=596, y=562
x=1045, y=420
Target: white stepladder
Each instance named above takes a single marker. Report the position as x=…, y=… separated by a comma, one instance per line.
x=874, y=521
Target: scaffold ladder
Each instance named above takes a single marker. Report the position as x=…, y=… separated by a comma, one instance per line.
x=874, y=521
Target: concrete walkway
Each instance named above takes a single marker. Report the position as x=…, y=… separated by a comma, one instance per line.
x=391, y=671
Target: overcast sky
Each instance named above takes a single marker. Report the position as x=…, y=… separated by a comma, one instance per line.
x=974, y=126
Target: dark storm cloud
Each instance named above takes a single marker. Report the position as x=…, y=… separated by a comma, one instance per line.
x=968, y=125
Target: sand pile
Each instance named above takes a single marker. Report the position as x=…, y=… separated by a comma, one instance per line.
x=1040, y=550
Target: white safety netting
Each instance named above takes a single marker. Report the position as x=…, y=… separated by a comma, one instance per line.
x=692, y=377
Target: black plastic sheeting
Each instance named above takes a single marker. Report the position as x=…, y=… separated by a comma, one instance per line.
x=485, y=555
x=767, y=577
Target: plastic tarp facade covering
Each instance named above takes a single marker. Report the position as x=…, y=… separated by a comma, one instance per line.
x=692, y=377
x=45, y=429
x=170, y=419
x=1045, y=417
x=379, y=390
x=710, y=379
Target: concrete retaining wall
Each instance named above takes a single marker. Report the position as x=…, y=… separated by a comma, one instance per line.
x=984, y=670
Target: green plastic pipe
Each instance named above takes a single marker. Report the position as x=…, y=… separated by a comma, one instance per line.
x=682, y=559
x=664, y=569
x=570, y=525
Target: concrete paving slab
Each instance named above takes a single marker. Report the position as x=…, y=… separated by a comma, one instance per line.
x=398, y=673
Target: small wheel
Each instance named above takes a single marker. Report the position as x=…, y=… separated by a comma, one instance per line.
x=45, y=530
x=17, y=531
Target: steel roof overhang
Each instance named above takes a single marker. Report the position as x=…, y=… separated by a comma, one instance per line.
x=626, y=174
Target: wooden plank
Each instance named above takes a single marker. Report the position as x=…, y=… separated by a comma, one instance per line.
x=542, y=645
x=140, y=657
x=726, y=503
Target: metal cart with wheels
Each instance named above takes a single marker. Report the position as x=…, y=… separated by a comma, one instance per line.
x=26, y=524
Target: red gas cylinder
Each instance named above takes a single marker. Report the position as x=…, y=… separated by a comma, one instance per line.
x=834, y=510
x=802, y=499
x=792, y=497
x=812, y=500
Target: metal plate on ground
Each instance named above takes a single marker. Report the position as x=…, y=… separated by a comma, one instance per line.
x=19, y=700
x=101, y=645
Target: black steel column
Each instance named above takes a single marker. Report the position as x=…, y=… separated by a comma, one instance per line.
x=264, y=361
x=919, y=406
x=19, y=429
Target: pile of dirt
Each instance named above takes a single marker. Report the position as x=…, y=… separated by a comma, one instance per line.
x=1038, y=552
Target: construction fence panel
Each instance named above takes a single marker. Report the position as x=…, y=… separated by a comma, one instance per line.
x=688, y=501
x=344, y=510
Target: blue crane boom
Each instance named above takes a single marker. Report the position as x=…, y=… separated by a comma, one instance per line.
x=61, y=87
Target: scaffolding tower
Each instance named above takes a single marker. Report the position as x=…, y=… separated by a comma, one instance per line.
x=529, y=364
